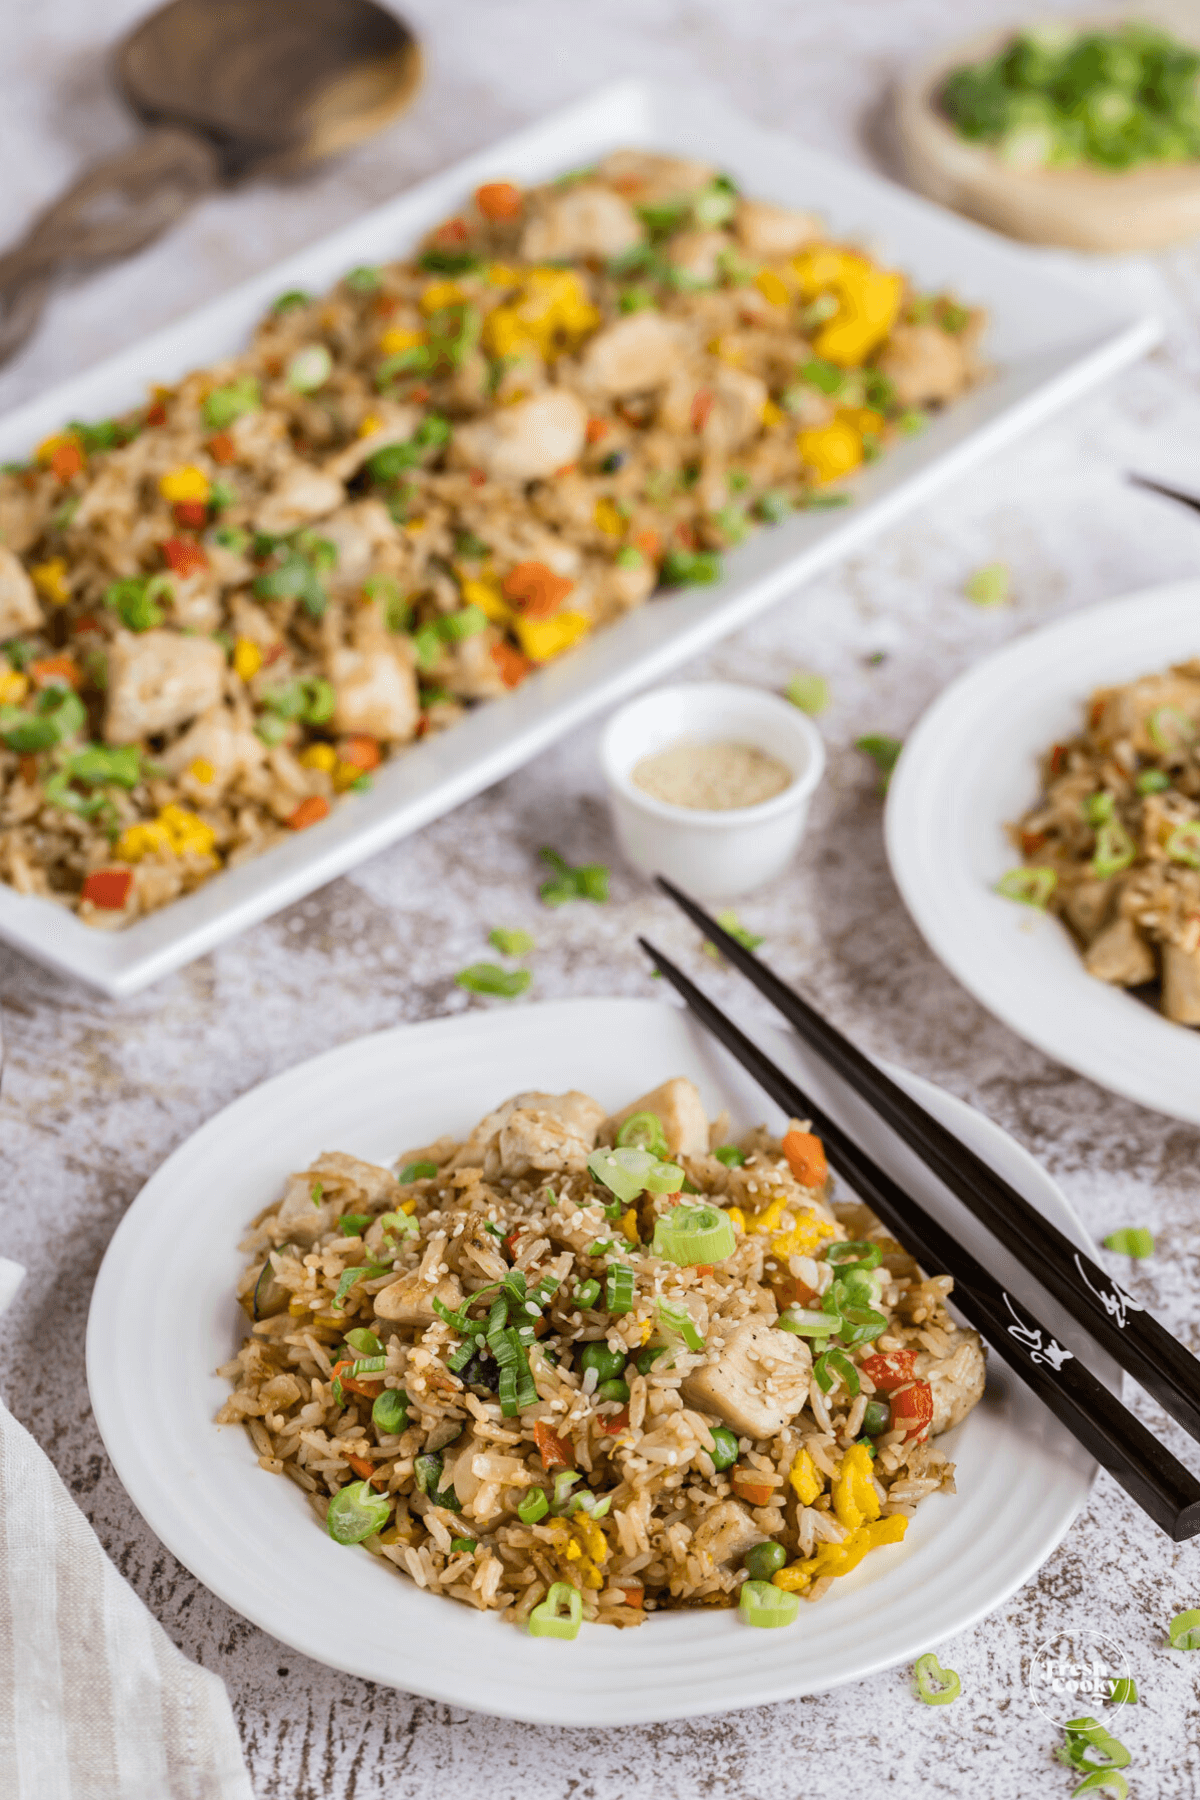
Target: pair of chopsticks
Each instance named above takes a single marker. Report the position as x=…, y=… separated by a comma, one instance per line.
x=1130, y=1452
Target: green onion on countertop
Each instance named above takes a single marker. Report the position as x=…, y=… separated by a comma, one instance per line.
x=935, y=1686
x=1132, y=1240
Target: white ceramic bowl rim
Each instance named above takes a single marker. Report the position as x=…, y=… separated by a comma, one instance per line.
x=801, y=788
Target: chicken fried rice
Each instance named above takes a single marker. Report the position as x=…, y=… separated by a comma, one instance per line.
x=1113, y=844
x=222, y=610
x=583, y=1366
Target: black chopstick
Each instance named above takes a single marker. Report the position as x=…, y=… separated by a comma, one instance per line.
x=1156, y=487
x=1132, y=1336
x=1147, y=1471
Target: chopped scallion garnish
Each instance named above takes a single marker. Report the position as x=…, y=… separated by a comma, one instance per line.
x=688, y=1235
x=1132, y=1240
x=935, y=1686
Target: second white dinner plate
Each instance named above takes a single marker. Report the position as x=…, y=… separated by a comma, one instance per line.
x=971, y=766
x=163, y=1317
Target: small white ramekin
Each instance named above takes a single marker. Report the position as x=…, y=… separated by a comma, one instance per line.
x=714, y=855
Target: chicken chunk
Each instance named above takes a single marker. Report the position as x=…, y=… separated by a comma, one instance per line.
x=725, y=1534
x=20, y=609
x=633, y=356
x=735, y=416
x=652, y=180
x=157, y=680
x=1120, y=954
x=766, y=230
x=1086, y=907
x=585, y=220
x=1181, y=985
x=304, y=1223
x=345, y=1184
x=758, y=1382
x=529, y=441
x=925, y=364
x=358, y=533
x=698, y=254
x=376, y=694
x=550, y=1124
x=956, y=1382
x=409, y=1300
x=678, y=1104
x=223, y=748
x=301, y=495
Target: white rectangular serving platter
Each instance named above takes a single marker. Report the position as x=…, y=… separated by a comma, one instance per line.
x=1051, y=337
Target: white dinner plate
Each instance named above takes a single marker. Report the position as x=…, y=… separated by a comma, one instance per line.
x=163, y=1317
x=1050, y=338
x=971, y=765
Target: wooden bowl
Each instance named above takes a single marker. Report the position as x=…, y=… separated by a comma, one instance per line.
x=1081, y=209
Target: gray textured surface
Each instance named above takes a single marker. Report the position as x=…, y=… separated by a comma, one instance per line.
x=96, y=1094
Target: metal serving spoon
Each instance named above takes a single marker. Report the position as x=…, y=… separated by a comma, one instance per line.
x=228, y=89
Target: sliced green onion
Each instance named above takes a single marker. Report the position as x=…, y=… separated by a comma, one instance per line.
x=730, y=1155
x=833, y=1363
x=1183, y=1632
x=1029, y=886
x=564, y=1481
x=356, y=1512
x=350, y=1277
x=560, y=1613
x=1152, y=781
x=389, y=1414
x=1133, y=1240
x=489, y=978
x=533, y=1506
x=587, y=1294
x=688, y=1235
x=364, y=1342
x=310, y=368
x=628, y=1172
x=400, y=1224
x=1169, y=729
x=802, y=1321
x=1123, y=1691
x=618, y=1289
x=1104, y=1781
x=861, y=1325
x=510, y=943
x=733, y=927
x=859, y=1251
x=883, y=751
x=935, y=1686
x=691, y=568
x=763, y=1604
x=416, y=1171
x=1183, y=845
x=808, y=692
x=677, y=1321
x=1115, y=850
x=644, y=1131
x=352, y=1224
x=1099, y=808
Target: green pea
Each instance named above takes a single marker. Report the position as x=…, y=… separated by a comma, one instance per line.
x=647, y=1358
x=607, y=1363
x=461, y=1544
x=763, y=1560
x=390, y=1412
x=613, y=1390
x=876, y=1418
x=724, y=1452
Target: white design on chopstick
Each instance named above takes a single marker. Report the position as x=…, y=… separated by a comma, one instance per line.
x=1116, y=1303
x=1041, y=1349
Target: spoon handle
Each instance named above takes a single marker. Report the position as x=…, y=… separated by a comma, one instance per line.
x=116, y=207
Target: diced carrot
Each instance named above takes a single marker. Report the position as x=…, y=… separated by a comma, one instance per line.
x=183, y=556
x=56, y=671
x=617, y=1423
x=685, y=533
x=67, y=460
x=633, y=1596
x=192, y=515
x=702, y=405
x=156, y=414
x=365, y=1469
x=512, y=665
x=309, y=812
x=650, y=544
x=420, y=395
x=540, y=1327
x=1096, y=713
x=386, y=304
x=28, y=765
x=751, y=1487
x=453, y=232
x=536, y=589
x=1031, y=842
x=499, y=200
x=510, y=1242
x=370, y=1390
x=596, y=429
x=272, y=654
x=806, y=1158
x=362, y=752
x=89, y=622
x=108, y=889
x=555, y=1452
x=1058, y=758
x=703, y=1268
x=222, y=448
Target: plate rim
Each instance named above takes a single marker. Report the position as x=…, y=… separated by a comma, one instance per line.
x=912, y=801
x=120, y=963
x=599, y=1711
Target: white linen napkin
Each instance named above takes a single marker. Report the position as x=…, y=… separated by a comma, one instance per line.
x=96, y=1703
